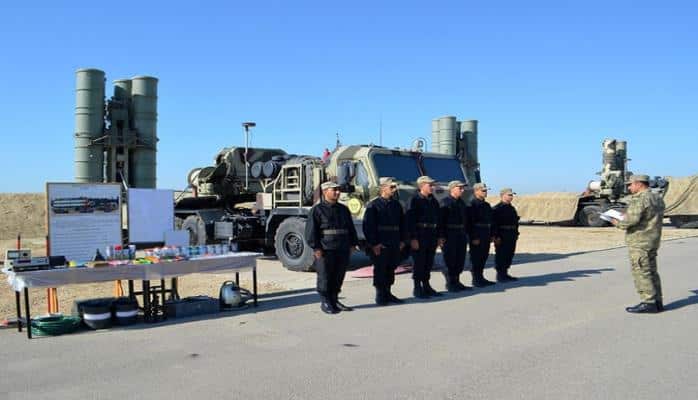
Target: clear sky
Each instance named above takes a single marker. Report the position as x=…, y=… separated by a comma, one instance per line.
x=548, y=81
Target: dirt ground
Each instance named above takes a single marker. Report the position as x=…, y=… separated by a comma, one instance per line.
x=25, y=214
x=22, y=213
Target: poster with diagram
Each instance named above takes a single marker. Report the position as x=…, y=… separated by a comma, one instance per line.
x=83, y=217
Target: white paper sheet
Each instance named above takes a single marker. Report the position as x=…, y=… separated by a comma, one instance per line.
x=611, y=215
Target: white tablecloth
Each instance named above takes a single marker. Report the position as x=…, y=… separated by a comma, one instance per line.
x=69, y=276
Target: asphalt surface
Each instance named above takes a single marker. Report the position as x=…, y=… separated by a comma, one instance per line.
x=561, y=332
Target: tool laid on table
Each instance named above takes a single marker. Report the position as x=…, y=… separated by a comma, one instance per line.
x=21, y=260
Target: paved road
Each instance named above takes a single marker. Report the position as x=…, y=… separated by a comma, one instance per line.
x=559, y=333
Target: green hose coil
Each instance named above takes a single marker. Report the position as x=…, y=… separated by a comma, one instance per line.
x=54, y=325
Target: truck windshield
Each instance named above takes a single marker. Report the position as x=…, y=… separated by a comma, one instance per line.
x=443, y=169
x=401, y=167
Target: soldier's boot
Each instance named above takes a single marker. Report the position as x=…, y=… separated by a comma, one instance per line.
x=480, y=281
x=453, y=285
x=643, y=308
x=332, y=301
x=660, y=305
x=509, y=277
x=418, y=291
x=325, y=305
x=503, y=276
x=430, y=290
x=338, y=304
x=381, y=296
x=461, y=287
x=392, y=298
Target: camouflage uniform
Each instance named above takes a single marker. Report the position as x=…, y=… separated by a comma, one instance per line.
x=643, y=226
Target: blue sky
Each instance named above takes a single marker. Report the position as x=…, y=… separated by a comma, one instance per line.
x=548, y=81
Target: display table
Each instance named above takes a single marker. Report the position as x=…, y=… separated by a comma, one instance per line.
x=22, y=281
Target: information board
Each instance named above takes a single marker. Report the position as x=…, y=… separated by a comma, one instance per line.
x=83, y=217
x=150, y=214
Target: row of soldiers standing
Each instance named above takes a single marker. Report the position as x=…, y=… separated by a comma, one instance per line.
x=425, y=226
x=451, y=225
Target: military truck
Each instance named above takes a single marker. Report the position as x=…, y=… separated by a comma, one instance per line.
x=681, y=199
x=610, y=192
x=260, y=198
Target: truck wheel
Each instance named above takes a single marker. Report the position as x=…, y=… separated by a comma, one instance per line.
x=684, y=221
x=591, y=216
x=197, y=230
x=291, y=248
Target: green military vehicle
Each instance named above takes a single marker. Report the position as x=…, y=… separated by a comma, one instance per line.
x=263, y=202
x=610, y=192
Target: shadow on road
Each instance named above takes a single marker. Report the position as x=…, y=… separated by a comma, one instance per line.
x=524, y=258
x=359, y=260
x=267, y=302
x=675, y=305
x=301, y=297
x=536, y=280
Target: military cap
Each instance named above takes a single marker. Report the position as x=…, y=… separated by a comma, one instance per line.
x=638, y=178
x=453, y=184
x=329, y=185
x=424, y=179
x=506, y=191
x=479, y=186
x=386, y=181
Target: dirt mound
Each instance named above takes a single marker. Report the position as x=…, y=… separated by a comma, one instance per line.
x=549, y=207
x=23, y=213
x=681, y=198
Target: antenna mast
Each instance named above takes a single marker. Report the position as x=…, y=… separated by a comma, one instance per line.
x=380, y=129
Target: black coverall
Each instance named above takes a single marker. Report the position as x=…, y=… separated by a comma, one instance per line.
x=453, y=225
x=505, y=227
x=384, y=224
x=479, y=227
x=331, y=229
x=422, y=225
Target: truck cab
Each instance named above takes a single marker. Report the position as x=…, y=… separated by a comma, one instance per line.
x=359, y=168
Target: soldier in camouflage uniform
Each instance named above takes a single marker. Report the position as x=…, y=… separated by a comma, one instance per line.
x=643, y=225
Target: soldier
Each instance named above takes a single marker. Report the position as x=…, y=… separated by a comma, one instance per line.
x=505, y=229
x=385, y=232
x=642, y=223
x=453, y=234
x=422, y=224
x=331, y=234
x=480, y=234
